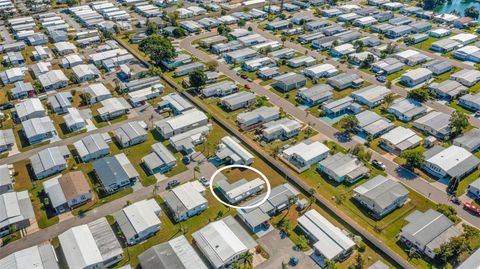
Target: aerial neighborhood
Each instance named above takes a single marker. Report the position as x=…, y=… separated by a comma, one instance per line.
x=228, y=134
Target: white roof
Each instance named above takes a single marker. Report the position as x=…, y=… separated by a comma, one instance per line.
x=464, y=37
x=143, y=214
x=330, y=240
x=307, y=151
x=245, y=188
x=449, y=157
x=189, y=195
x=28, y=106
x=319, y=68
x=79, y=247
x=400, y=135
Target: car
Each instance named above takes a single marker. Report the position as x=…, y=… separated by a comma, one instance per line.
x=248, y=86
x=378, y=164
x=243, y=76
x=205, y=182
x=477, y=114
x=186, y=160
x=172, y=183
x=381, y=78
x=471, y=208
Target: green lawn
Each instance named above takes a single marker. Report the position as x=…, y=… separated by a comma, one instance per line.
x=425, y=45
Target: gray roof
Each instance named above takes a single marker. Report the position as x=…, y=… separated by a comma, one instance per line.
x=238, y=98
x=438, y=121
x=7, y=137
x=372, y=123
x=110, y=171
x=159, y=156
x=470, y=140
x=47, y=159
x=448, y=87
x=316, y=92
x=381, y=191
x=342, y=79
x=15, y=207
x=344, y=165
x=36, y=126
x=290, y=78
x=105, y=239
x=176, y=253
x=176, y=101
x=90, y=144
x=41, y=256
x=5, y=177
x=456, y=161
x=263, y=112
x=60, y=100
x=427, y=226
x=407, y=107
x=471, y=262
x=21, y=88
x=130, y=131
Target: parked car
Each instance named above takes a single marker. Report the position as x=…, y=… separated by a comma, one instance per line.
x=205, y=182
x=186, y=160
x=471, y=208
x=247, y=86
x=378, y=164
x=477, y=114
x=243, y=76
x=172, y=184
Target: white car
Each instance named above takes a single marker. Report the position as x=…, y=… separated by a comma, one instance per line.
x=205, y=182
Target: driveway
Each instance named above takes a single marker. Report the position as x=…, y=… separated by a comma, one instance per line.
x=280, y=250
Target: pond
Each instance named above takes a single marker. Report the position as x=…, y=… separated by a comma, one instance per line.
x=458, y=5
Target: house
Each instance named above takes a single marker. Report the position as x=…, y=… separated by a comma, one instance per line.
x=29, y=108
x=472, y=261
x=365, y=21
x=115, y=172
x=453, y=162
x=191, y=26
x=474, y=188
x=223, y=242
x=49, y=161
x=74, y=120
x=92, y=245
x=60, y=102
x=464, y=38
x=190, y=119
x=130, y=134
x=301, y=61
x=143, y=83
x=174, y=102
x=113, y=108
x=96, y=92
x=417, y=76
x=12, y=75
x=315, y=95
x=139, y=220
x=7, y=140
x=448, y=89
x=21, y=90
x=320, y=71
x=372, y=124
x=330, y=13
x=411, y=57
x=186, y=142
x=17, y=211
x=470, y=102
x=468, y=77
x=407, y=109
x=188, y=68
x=439, y=32
x=160, y=160
x=67, y=191
x=239, y=190
x=40, y=256
x=268, y=73
x=464, y=23
x=251, y=39
x=371, y=96
x=53, y=79
x=238, y=100
x=85, y=72
x=420, y=26
x=438, y=67
x=71, y=60
x=176, y=253
x=277, y=25
x=434, y=123
x=398, y=31
x=305, y=154
x=340, y=106
x=343, y=167
x=345, y=80
x=316, y=25
x=64, y=48
x=342, y=50
x=427, y=231
x=380, y=196
x=230, y=151
x=328, y=240
x=388, y=66
x=289, y=81
x=37, y=130
x=219, y=89
x=381, y=28
x=468, y=53
x=417, y=38
x=91, y=147
x=445, y=45
x=257, y=63
x=400, y=139
x=186, y=201
x=261, y=115
x=240, y=56
x=285, y=53
x=469, y=141
x=282, y=129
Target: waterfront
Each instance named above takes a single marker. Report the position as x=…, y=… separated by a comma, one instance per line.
x=458, y=5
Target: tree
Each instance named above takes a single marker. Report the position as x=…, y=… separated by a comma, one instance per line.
x=247, y=258
x=152, y=27
x=283, y=38
x=329, y=264
x=448, y=211
x=349, y=123
x=241, y=22
x=431, y=4
x=196, y=169
x=179, y=32
x=360, y=262
x=158, y=48
x=389, y=99
x=212, y=65
x=419, y=94
x=302, y=242
x=358, y=45
x=71, y=3
x=154, y=71
x=366, y=63
x=452, y=250
x=472, y=12
x=458, y=123
x=470, y=232
x=413, y=158
x=250, y=28
x=285, y=226
x=156, y=188
x=223, y=29
x=197, y=79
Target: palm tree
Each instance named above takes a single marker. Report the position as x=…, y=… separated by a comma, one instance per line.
x=196, y=169
x=236, y=265
x=247, y=258
x=156, y=188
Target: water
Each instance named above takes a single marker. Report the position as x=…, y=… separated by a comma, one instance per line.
x=458, y=5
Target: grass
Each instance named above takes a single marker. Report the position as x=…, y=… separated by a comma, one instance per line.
x=425, y=45
x=22, y=141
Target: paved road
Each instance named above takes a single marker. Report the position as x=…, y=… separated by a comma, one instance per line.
x=413, y=181
x=206, y=169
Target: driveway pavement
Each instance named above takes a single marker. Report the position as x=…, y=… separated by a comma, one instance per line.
x=281, y=250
